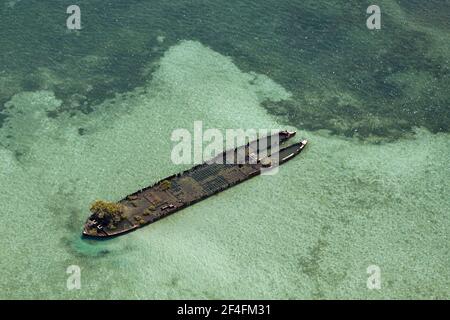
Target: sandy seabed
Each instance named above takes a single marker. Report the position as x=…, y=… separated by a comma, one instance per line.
x=310, y=231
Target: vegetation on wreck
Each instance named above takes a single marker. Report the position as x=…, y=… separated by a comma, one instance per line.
x=165, y=185
x=107, y=213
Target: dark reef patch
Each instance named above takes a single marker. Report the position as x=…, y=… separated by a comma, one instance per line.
x=311, y=266
x=2, y=118
x=344, y=78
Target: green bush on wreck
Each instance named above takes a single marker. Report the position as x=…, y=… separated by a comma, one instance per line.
x=139, y=220
x=165, y=185
x=107, y=212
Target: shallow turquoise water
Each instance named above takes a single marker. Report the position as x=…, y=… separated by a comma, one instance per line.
x=311, y=231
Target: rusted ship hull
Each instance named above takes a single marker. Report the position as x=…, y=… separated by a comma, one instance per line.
x=179, y=191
